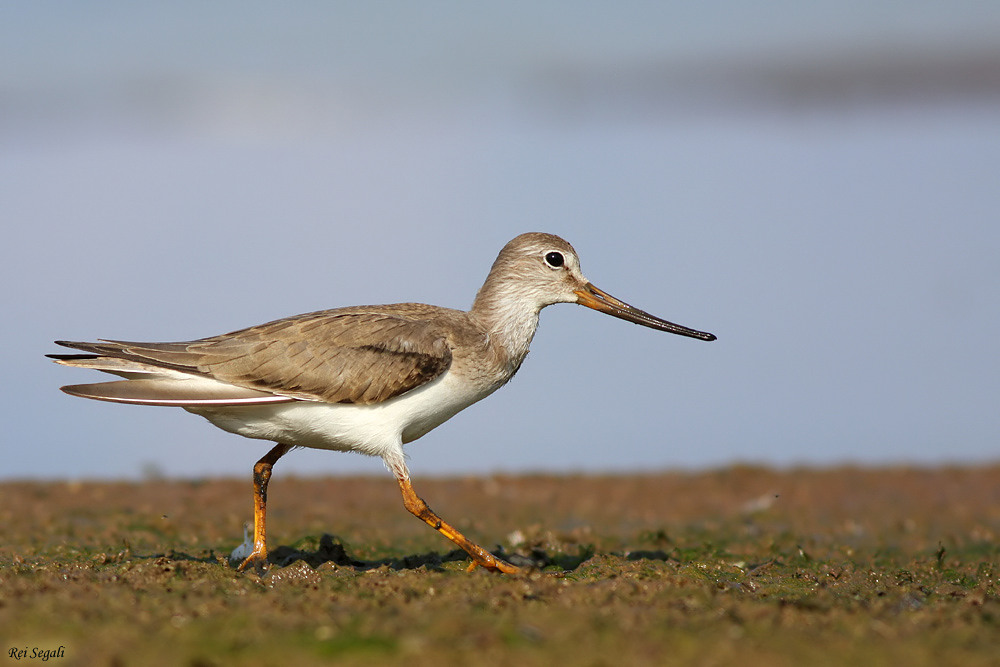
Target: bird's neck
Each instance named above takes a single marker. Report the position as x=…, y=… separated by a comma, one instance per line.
x=509, y=318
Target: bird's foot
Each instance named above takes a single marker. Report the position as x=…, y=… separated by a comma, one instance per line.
x=491, y=563
x=257, y=562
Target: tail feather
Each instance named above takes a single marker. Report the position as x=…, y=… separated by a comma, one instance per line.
x=152, y=382
x=180, y=393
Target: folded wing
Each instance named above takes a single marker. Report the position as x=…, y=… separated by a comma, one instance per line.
x=331, y=356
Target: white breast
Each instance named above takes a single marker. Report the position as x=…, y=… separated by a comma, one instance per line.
x=377, y=430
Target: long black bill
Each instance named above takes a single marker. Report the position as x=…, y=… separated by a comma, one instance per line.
x=592, y=297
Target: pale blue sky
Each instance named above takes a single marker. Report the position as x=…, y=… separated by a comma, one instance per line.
x=815, y=183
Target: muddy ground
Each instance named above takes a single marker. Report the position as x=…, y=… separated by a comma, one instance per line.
x=744, y=566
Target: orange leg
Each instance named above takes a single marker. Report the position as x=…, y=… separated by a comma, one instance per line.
x=480, y=556
x=261, y=476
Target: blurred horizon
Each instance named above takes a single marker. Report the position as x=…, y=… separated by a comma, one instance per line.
x=105, y=75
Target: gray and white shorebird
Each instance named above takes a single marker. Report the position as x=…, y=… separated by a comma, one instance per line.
x=367, y=379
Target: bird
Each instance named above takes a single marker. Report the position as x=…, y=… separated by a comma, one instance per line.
x=366, y=379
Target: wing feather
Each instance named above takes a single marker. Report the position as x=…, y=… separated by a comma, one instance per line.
x=338, y=356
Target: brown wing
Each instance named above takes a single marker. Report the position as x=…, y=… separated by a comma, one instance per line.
x=333, y=356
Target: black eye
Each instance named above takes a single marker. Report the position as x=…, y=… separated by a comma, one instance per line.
x=554, y=259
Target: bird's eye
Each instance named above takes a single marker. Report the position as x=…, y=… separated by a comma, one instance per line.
x=554, y=259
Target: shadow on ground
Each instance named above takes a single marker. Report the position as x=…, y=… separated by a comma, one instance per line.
x=330, y=550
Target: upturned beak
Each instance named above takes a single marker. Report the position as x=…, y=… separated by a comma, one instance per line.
x=592, y=297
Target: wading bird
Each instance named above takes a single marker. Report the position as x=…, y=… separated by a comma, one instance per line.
x=367, y=379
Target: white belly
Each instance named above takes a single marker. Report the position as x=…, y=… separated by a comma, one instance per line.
x=378, y=429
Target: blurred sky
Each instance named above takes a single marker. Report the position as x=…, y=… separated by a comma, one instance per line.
x=816, y=183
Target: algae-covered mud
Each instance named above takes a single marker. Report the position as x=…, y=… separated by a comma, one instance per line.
x=744, y=566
